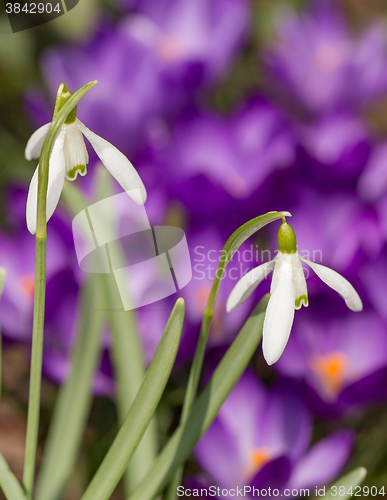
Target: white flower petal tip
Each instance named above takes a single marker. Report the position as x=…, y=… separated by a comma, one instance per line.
x=117, y=164
x=337, y=282
x=247, y=284
x=279, y=315
x=35, y=142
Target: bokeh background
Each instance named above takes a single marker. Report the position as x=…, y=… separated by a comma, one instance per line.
x=228, y=109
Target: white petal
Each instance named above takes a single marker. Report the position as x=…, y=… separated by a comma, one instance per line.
x=35, y=142
x=247, y=284
x=338, y=283
x=117, y=164
x=56, y=175
x=279, y=315
x=299, y=282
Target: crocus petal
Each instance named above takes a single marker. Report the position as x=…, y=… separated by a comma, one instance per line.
x=323, y=462
x=338, y=283
x=247, y=284
x=117, y=164
x=56, y=175
x=35, y=142
x=279, y=314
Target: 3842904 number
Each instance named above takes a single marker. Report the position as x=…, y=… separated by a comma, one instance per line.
x=358, y=491
x=32, y=8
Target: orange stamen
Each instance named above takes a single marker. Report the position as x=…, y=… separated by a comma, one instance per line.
x=330, y=369
x=27, y=285
x=256, y=460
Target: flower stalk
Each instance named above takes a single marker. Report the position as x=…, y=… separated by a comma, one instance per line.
x=40, y=285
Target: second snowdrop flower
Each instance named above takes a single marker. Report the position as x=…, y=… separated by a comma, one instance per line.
x=288, y=291
x=69, y=158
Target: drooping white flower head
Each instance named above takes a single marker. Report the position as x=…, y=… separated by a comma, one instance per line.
x=288, y=291
x=69, y=158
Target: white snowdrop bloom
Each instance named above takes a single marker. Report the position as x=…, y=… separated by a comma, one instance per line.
x=69, y=158
x=288, y=291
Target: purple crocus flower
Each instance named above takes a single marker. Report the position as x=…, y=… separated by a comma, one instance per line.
x=62, y=322
x=17, y=255
x=237, y=152
x=194, y=42
x=317, y=61
x=373, y=180
x=373, y=275
x=206, y=246
x=334, y=228
x=261, y=439
x=343, y=360
x=338, y=145
x=126, y=70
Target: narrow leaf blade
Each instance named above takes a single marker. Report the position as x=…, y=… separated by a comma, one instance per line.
x=8, y=482
x=349, y=481
x=206, y=407
x=141, y=411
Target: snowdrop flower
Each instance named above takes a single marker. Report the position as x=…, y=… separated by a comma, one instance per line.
x=288, y=291
x=69, y=158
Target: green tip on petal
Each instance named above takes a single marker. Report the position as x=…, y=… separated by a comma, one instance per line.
x=299, y=300
x=73, y=172
x=287, y=242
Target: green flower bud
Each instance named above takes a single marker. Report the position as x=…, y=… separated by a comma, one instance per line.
x=287, y=242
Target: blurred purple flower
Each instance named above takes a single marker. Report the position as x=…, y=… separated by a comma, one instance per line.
x=194, y=42
x=261, y=438
x=17, y=255
x=206, y=246
x=334, y=228
x=373, y=275
x=340, y=360
x=338, y=144
x=317, y=60
x=373, y=180
x=62, y=323
x=237, y=153
x=125, y=69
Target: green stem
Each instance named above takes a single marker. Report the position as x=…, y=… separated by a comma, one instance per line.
x=231, y=246
x=37, y=339
x=40, y=290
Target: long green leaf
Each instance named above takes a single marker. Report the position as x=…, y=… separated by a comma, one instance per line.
x=126, y=350
x=74, y=399
x=127, y=357
x=233, y=243
x=141, y=411
x=349, y=481
x=8, y=482
x=206, y=407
